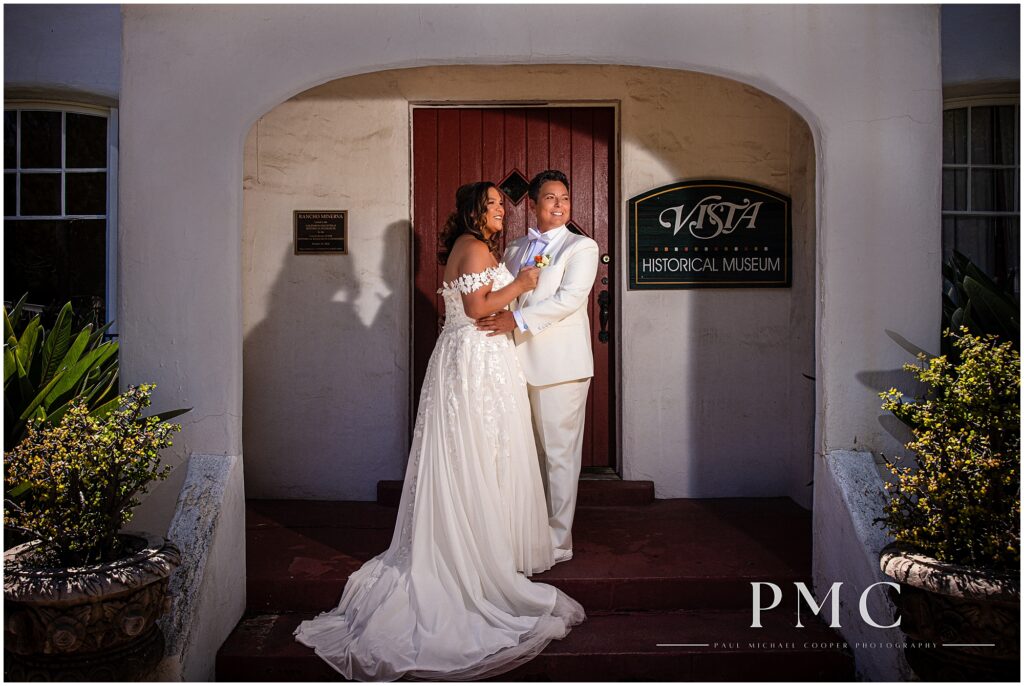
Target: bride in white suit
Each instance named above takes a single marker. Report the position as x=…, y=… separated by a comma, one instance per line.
x=449, y=599
x=552, y=336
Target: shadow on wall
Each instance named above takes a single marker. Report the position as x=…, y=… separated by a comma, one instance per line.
x=876, y=381
x=745, y=357
x=321, y=369
x=717, y=397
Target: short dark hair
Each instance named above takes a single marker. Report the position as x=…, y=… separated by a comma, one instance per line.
x=542, y=178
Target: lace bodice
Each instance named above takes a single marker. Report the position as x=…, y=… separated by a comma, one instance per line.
x=455, y=313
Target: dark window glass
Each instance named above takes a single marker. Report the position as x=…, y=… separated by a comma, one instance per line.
x=1011, y=228
x=992, y=190
x=40, y=194
x=56, y=261
x=60, y=260
x=954, y=189
x=10, y=139
x=40, y=140
x=1006, y=152
x=973, y=238
x=948, y=237
x=87, y=239
x=954, y=136
x=32, y=256
x=86, y=141
x=985, y=139
x=85, y=193
x=992, y=132
x=992, y=243
x=10, y=194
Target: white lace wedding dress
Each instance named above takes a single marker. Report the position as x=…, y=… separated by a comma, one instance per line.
x=445, y=600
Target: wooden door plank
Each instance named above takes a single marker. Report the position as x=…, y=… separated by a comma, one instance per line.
x=560, y=139
x=492, y=145
x=492, y=156
x=536, y=143
x=471, y=146
x=582, y=177
x=604, y=353
x=424, y=241
x=516, y=216
x=448, y=139
x=580, y=169
x=456, y=146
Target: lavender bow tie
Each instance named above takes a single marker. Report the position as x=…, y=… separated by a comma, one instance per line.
x=535, y=235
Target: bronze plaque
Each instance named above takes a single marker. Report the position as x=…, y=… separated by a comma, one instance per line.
x=321, y=231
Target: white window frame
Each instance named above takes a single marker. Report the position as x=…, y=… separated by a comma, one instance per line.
x=986, y=101
x=111, y=115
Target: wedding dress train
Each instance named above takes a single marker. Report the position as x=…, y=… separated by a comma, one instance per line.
x=446, y=599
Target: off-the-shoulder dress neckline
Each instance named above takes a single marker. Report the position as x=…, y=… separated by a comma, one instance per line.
x=472, y=281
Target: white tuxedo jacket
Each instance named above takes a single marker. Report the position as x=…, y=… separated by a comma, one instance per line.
x=556, y=347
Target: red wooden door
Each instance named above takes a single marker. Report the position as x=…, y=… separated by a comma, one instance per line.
x=453, y=146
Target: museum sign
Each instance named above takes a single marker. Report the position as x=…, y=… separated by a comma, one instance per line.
x=709, y=234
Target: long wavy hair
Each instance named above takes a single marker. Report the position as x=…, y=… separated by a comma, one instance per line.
x=470, y=216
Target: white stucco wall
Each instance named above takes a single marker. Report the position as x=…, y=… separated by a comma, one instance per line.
x=326, y=368
x=71, y=52
x=726, y=412
x=195, y=80
x=848, y=549
x=866, y=79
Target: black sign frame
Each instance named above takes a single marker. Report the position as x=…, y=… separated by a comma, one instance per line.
x=320, y=232
x=777, y=243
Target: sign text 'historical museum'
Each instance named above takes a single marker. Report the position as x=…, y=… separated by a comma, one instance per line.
x=711, y=234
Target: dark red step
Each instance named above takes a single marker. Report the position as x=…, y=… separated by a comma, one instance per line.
x=667, y=555
x=610, y=647
x=591, y=493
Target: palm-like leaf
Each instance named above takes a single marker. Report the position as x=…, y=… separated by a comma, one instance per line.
x=45, y=370
x=57, y=343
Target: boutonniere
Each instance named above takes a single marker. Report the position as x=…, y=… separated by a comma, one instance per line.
x=541, y=261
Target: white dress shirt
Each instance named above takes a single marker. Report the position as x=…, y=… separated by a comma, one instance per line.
x=537, y=247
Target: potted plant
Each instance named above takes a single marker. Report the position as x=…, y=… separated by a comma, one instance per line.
x=954, y=514
x=44, y=371
x=82, y=598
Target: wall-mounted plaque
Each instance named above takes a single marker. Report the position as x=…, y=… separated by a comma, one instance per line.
x=321, y=231
x=709, y=234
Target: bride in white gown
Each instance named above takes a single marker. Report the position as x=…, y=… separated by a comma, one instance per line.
x=447, y=599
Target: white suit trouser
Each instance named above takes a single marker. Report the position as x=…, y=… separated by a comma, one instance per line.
x=559, y=411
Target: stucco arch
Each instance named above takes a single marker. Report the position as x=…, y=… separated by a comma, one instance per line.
x=744, y=411
x=866, y=79
x=766, y=86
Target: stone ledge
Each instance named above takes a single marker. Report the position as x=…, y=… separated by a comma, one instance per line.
x=197, y=587
x=861, y=487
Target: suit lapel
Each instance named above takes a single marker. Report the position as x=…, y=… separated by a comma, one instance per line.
x=515, y=255
x=555, y=250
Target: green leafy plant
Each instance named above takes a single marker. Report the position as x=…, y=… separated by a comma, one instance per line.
x=972, y=299
x=960, y=500
x=45, y=371
x=85, y=474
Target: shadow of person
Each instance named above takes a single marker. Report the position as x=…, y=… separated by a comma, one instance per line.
x=325, y=396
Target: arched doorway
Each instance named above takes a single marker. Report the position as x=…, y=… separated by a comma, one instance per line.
x=716, y=397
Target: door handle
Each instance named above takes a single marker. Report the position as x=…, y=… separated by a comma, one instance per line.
x=604, y=302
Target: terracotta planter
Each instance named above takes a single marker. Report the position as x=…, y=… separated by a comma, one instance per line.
x=96, y=622
x=945, y=604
